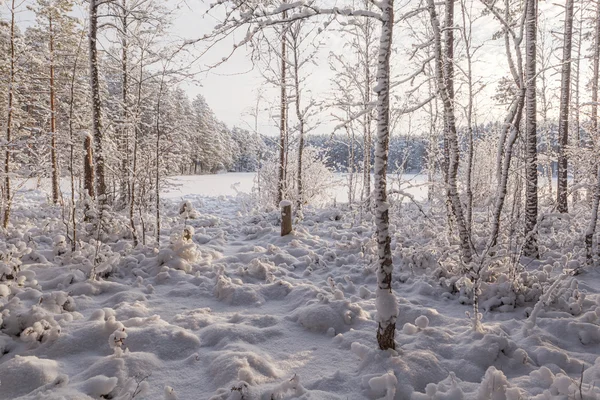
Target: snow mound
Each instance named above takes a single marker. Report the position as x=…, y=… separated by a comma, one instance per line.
x=22, y=375
x=326, y=313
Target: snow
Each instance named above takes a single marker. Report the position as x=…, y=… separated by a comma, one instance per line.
x=226, y=308
x=231, y=184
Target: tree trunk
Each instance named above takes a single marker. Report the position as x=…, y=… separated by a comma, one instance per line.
x=283, y=117
x=53, y=152
x=513, y=121
x=449, y=119
x=387, y=309
x=563, y=123
x=88, y=167
x=9, y=121
x=591, y=230
x=596, y=68
x=97, y=129
x=448, y=73
x=575, y=107
x=157, y=177
x=367, y=137
x=300, y=117
x=530, y=247
x=286, y=217
x=466, y=31
x=125, y=186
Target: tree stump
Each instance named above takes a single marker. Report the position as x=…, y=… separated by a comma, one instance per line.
x=286, y=217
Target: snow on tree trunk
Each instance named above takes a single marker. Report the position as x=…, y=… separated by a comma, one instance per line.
x=530, y=247
x=97, y=129
x=387, y=309
x=563, y=124
x=449, y=120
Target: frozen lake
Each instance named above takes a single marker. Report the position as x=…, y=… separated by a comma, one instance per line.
x=230, y=184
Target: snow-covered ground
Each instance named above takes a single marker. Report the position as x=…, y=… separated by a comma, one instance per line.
x=238, y=312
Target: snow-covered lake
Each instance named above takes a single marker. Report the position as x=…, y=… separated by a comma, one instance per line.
x=230, y=184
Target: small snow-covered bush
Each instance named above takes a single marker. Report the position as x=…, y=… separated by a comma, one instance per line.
x=187, y=210
x=10, y=259
x=182, y=251
x=317, y=179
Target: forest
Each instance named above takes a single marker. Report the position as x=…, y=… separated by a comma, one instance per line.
x=406, y=208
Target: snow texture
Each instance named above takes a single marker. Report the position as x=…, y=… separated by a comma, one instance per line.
x=228, y=309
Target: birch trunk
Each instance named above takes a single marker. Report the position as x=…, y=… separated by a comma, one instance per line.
x=575, y=108
x=157, y=176
x=513, y=121
x=125, y=186
x=449, y=119
x=283, y=118
x=596, y=68
x=97, y=130
x=72, y=144
x=387, y=309
x=367, y=118
x=466, y=31
x=595, y=199
x=530, y=247
x=300, y=117
x=53, y=152
x=591, y=230
x=132, y=197
x=563, y=123
x=9, y=121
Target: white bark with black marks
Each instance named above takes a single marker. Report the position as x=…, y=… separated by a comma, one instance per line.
x=530, y=247
x=563, y=122
x=387, y=309
x=450, y=121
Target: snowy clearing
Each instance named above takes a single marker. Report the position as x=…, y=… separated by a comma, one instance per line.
x=239, y=312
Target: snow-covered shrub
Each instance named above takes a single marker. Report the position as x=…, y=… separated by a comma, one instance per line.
x=182, y=251
x=187, y=210
x=116, y=340
x=317, y=179
x=495, y=386
x=10, y=259
x=36, y=323
x=60, y=245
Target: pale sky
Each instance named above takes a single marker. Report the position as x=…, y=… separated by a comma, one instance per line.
x=231, y=88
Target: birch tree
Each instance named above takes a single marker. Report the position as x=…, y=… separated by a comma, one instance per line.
x=9, y=117
x=530, y=247
x=563, y=122
x=594, y=189
x=96, y=103
x=513, y=33
x=445, y=90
